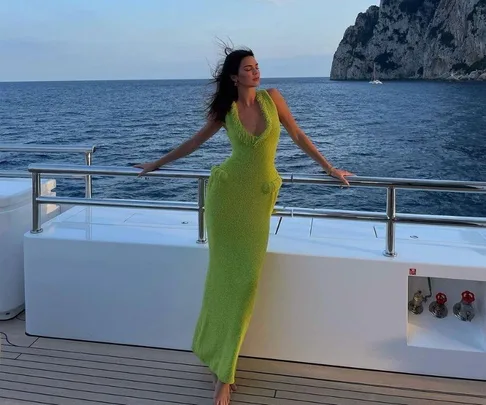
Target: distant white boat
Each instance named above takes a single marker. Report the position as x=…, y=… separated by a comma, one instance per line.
x=375, y=80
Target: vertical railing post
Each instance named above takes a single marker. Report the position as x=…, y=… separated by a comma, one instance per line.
x=201, y=197
x=391, y=212
x=36, y=192
x=88, y=157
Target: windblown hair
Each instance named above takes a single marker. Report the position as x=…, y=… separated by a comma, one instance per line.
x=226, y=91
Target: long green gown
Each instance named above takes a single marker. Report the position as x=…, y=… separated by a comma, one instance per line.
x=241, y=195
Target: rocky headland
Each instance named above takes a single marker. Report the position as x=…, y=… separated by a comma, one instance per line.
x=415, y=39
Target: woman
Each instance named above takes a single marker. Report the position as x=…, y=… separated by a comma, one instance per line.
x=241, y=195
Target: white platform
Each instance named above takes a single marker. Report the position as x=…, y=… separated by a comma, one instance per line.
x=15, y=220
x=327, y=296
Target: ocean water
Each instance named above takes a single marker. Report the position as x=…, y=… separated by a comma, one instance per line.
x=425, y=130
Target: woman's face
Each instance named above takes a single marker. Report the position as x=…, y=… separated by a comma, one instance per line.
x=248, y=73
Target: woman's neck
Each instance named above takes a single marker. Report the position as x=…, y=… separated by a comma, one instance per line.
x=246, y=96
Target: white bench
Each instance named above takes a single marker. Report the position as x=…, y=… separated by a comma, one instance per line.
x=328, y=295
x=15, y=220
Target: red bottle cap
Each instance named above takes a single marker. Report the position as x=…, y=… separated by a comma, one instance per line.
x=468, y=297
x=441, y=298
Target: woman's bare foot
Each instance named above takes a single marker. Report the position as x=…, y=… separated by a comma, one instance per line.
x=222, y=393
x=215, y=380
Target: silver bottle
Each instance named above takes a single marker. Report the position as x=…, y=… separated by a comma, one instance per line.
x=464, y=309
x=415, y=304
x=438, y=308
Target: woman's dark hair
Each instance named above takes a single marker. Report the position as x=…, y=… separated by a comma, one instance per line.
x=226, y=91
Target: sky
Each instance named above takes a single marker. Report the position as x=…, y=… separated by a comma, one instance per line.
x=167, y=39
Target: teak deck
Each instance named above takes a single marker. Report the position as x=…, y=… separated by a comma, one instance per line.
x=52, y=371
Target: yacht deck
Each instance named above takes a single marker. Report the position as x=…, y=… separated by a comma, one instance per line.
x=52, y=371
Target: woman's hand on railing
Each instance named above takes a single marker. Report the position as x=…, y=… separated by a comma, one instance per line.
x=340, y=175
x=146, y=167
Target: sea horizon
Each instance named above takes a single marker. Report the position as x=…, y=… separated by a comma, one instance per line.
x=153, y=80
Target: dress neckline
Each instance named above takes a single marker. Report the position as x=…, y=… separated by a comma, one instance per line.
x=263, y=110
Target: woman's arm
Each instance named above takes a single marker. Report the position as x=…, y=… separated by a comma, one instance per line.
x=301, y=139
x=184, y=149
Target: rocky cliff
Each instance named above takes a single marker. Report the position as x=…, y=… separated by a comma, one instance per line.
x=415, y=39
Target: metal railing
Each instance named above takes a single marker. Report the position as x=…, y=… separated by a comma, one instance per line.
x=88, y=152
x=390, y=216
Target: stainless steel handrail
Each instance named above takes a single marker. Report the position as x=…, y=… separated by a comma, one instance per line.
x=355, y=181
x=5, y=147
x=85, y=149
x=390, y=217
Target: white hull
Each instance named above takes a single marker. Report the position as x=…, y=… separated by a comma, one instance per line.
x=328, y=295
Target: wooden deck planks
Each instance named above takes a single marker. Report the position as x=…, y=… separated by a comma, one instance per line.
x=53, y=371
